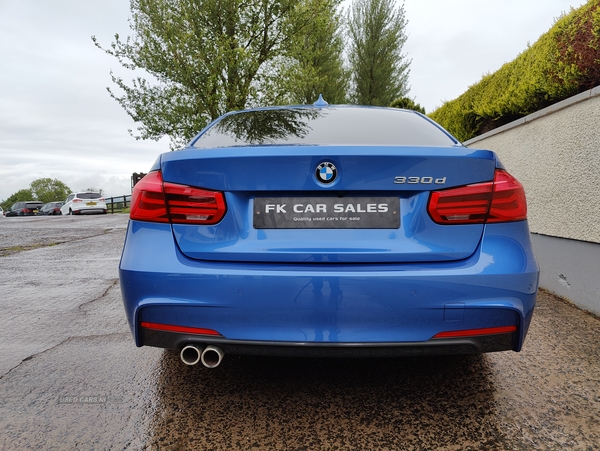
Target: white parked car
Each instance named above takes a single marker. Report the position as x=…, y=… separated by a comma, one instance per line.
x=1, y=212
x=84, y=203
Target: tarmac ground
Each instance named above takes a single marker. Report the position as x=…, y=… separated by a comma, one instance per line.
x=72, y=378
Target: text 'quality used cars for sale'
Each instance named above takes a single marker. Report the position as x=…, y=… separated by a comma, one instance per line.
x=328, y=231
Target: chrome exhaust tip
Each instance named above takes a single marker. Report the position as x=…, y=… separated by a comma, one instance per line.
x=211, y=356
x=190, y=355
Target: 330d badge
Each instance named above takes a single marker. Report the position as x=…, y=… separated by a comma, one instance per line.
x=422, y=180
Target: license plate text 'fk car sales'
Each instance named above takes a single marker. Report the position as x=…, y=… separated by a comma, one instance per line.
x=327, y=213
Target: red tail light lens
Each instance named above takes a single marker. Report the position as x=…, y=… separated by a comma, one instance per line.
x=190, y=205
x=156, y=201
x=502, y=200
x=508, y=201
x=148, y=201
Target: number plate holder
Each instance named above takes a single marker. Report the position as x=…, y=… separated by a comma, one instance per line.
x=326, y=213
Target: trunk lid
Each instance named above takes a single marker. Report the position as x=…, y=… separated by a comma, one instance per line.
x=278, y=210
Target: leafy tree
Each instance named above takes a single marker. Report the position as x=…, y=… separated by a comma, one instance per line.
x=205, y=57
x=49, y=190
x=408, y=104
x=94, y=190
x=44, y=190
x=377, y=34
x=19, y=196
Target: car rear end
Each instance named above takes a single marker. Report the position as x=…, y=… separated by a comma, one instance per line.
x=54, y=208
x=30, y=208
x=88, y=203
x=329, y=231
x=50, y=209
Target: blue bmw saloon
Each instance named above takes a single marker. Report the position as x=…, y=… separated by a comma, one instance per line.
x=327, y=230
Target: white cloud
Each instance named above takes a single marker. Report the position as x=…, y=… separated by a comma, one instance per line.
x=56, y=118
x=454, y=43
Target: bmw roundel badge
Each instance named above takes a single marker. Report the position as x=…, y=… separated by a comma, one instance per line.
x=326, y=172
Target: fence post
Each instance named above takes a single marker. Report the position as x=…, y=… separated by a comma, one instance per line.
x=118, y=200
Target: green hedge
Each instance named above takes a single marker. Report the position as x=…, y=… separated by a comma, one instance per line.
x=408, y=104
x=563, y=62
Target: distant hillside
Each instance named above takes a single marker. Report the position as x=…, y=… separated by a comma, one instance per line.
x=563, y=62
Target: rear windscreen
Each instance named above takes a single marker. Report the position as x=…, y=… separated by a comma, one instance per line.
x=89, y=195
x=324, y=126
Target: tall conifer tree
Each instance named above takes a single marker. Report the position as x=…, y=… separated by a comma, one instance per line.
x=376, y=30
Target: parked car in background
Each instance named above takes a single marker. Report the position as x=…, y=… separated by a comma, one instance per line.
x=27, y=208
x=51, y=208
x=1, y=212
x=328, y=231
x=84, y=203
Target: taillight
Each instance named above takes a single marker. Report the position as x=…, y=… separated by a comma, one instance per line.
x=156, y=201
x=148, y=201
x=508, y=201
x=76, y=200
x=502, y=200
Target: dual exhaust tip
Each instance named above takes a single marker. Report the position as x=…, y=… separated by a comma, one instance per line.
x=210, y=356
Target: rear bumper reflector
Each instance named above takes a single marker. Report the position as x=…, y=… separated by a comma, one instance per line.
x=476, y=332
x=180, y=329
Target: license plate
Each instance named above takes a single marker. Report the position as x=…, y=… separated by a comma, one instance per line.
x=326, y=213
x=91, y=204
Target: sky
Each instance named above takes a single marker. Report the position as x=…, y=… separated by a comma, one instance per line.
x=58, y=121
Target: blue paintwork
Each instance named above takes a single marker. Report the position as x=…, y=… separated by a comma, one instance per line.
x=291, y=168
x=418, y=239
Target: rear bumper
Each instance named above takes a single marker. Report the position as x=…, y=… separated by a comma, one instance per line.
x=89, y=211
x=327, y=309
x=444, y=346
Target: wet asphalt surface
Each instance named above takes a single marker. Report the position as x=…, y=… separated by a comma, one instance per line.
x=71, y=377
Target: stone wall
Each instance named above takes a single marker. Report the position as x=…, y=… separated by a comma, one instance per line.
x=555, y=153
